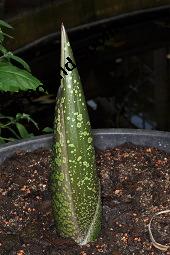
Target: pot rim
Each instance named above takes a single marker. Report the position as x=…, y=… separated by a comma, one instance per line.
x=102, y=131
x=103, y=139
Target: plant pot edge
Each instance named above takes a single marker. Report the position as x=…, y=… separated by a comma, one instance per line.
x=103, y=138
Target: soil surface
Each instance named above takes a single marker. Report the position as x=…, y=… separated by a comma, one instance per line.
x=135, y=185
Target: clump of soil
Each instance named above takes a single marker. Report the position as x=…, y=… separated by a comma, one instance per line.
x=135, y=185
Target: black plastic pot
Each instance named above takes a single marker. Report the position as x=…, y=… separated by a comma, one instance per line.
x=103, y=138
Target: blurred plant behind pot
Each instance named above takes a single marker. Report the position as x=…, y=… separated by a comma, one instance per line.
x=14, y=79
x=15, y=127
x=75, y=184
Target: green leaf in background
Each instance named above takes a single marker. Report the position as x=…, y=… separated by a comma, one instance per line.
x=75, y=185
x=10, y=55
x=13, y=132
x=21, y=116
x=15, y=128
x=48, y=130
x=3, y=49
x=2, y=34
x=2, y=141
x=14, y=79
x=22, y=130
x=5, y=34
x=4, y=24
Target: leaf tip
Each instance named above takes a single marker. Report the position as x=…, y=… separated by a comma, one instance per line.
x=63, y=31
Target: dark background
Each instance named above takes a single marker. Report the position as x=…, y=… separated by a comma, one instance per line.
x=126, y=77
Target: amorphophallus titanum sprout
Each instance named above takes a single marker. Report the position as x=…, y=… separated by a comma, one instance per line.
x=75, y=185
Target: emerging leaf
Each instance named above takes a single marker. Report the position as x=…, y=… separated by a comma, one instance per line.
x=75, y=185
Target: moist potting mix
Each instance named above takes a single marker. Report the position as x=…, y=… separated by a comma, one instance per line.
x=135, y=186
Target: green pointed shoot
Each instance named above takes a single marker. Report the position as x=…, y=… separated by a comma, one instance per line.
x=75, y=186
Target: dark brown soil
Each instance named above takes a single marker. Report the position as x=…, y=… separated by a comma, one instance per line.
x=135, y=185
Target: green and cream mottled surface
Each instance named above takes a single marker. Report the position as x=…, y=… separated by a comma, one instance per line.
x=75, y=185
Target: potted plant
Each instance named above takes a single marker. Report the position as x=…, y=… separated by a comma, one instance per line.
x=129, y=175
